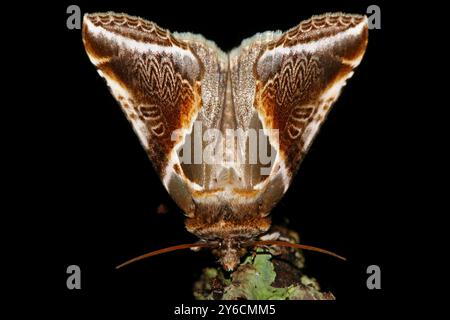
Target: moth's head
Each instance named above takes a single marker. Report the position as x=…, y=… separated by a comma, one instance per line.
x=228, y=228
x=229, y=252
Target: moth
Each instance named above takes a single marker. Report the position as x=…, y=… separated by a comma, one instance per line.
x=172, y=85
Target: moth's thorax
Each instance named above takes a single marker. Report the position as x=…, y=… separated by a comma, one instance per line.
x=217, y=221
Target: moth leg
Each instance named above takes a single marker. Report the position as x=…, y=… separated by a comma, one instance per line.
x=273, y=249
x=276, y=235
x=270, y=236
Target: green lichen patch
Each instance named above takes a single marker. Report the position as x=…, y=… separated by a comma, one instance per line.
x=262, y=276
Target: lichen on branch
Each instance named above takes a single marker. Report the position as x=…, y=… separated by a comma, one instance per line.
x=265, y=274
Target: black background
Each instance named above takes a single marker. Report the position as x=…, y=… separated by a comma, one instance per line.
x=101, y=192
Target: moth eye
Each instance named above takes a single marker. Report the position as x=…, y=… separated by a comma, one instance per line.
x=260, y=204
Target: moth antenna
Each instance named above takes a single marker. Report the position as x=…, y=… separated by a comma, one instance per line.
x=294, y=245
x=165, y=250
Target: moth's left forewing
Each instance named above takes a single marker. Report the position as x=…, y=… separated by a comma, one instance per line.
x=298, y=78
x=157, y=80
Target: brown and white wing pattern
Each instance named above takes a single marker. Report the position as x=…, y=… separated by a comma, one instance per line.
x=283, y=83
x=157, y=78
x=298, y=77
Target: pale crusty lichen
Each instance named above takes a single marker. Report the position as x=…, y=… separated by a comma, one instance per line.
x=264, y=275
